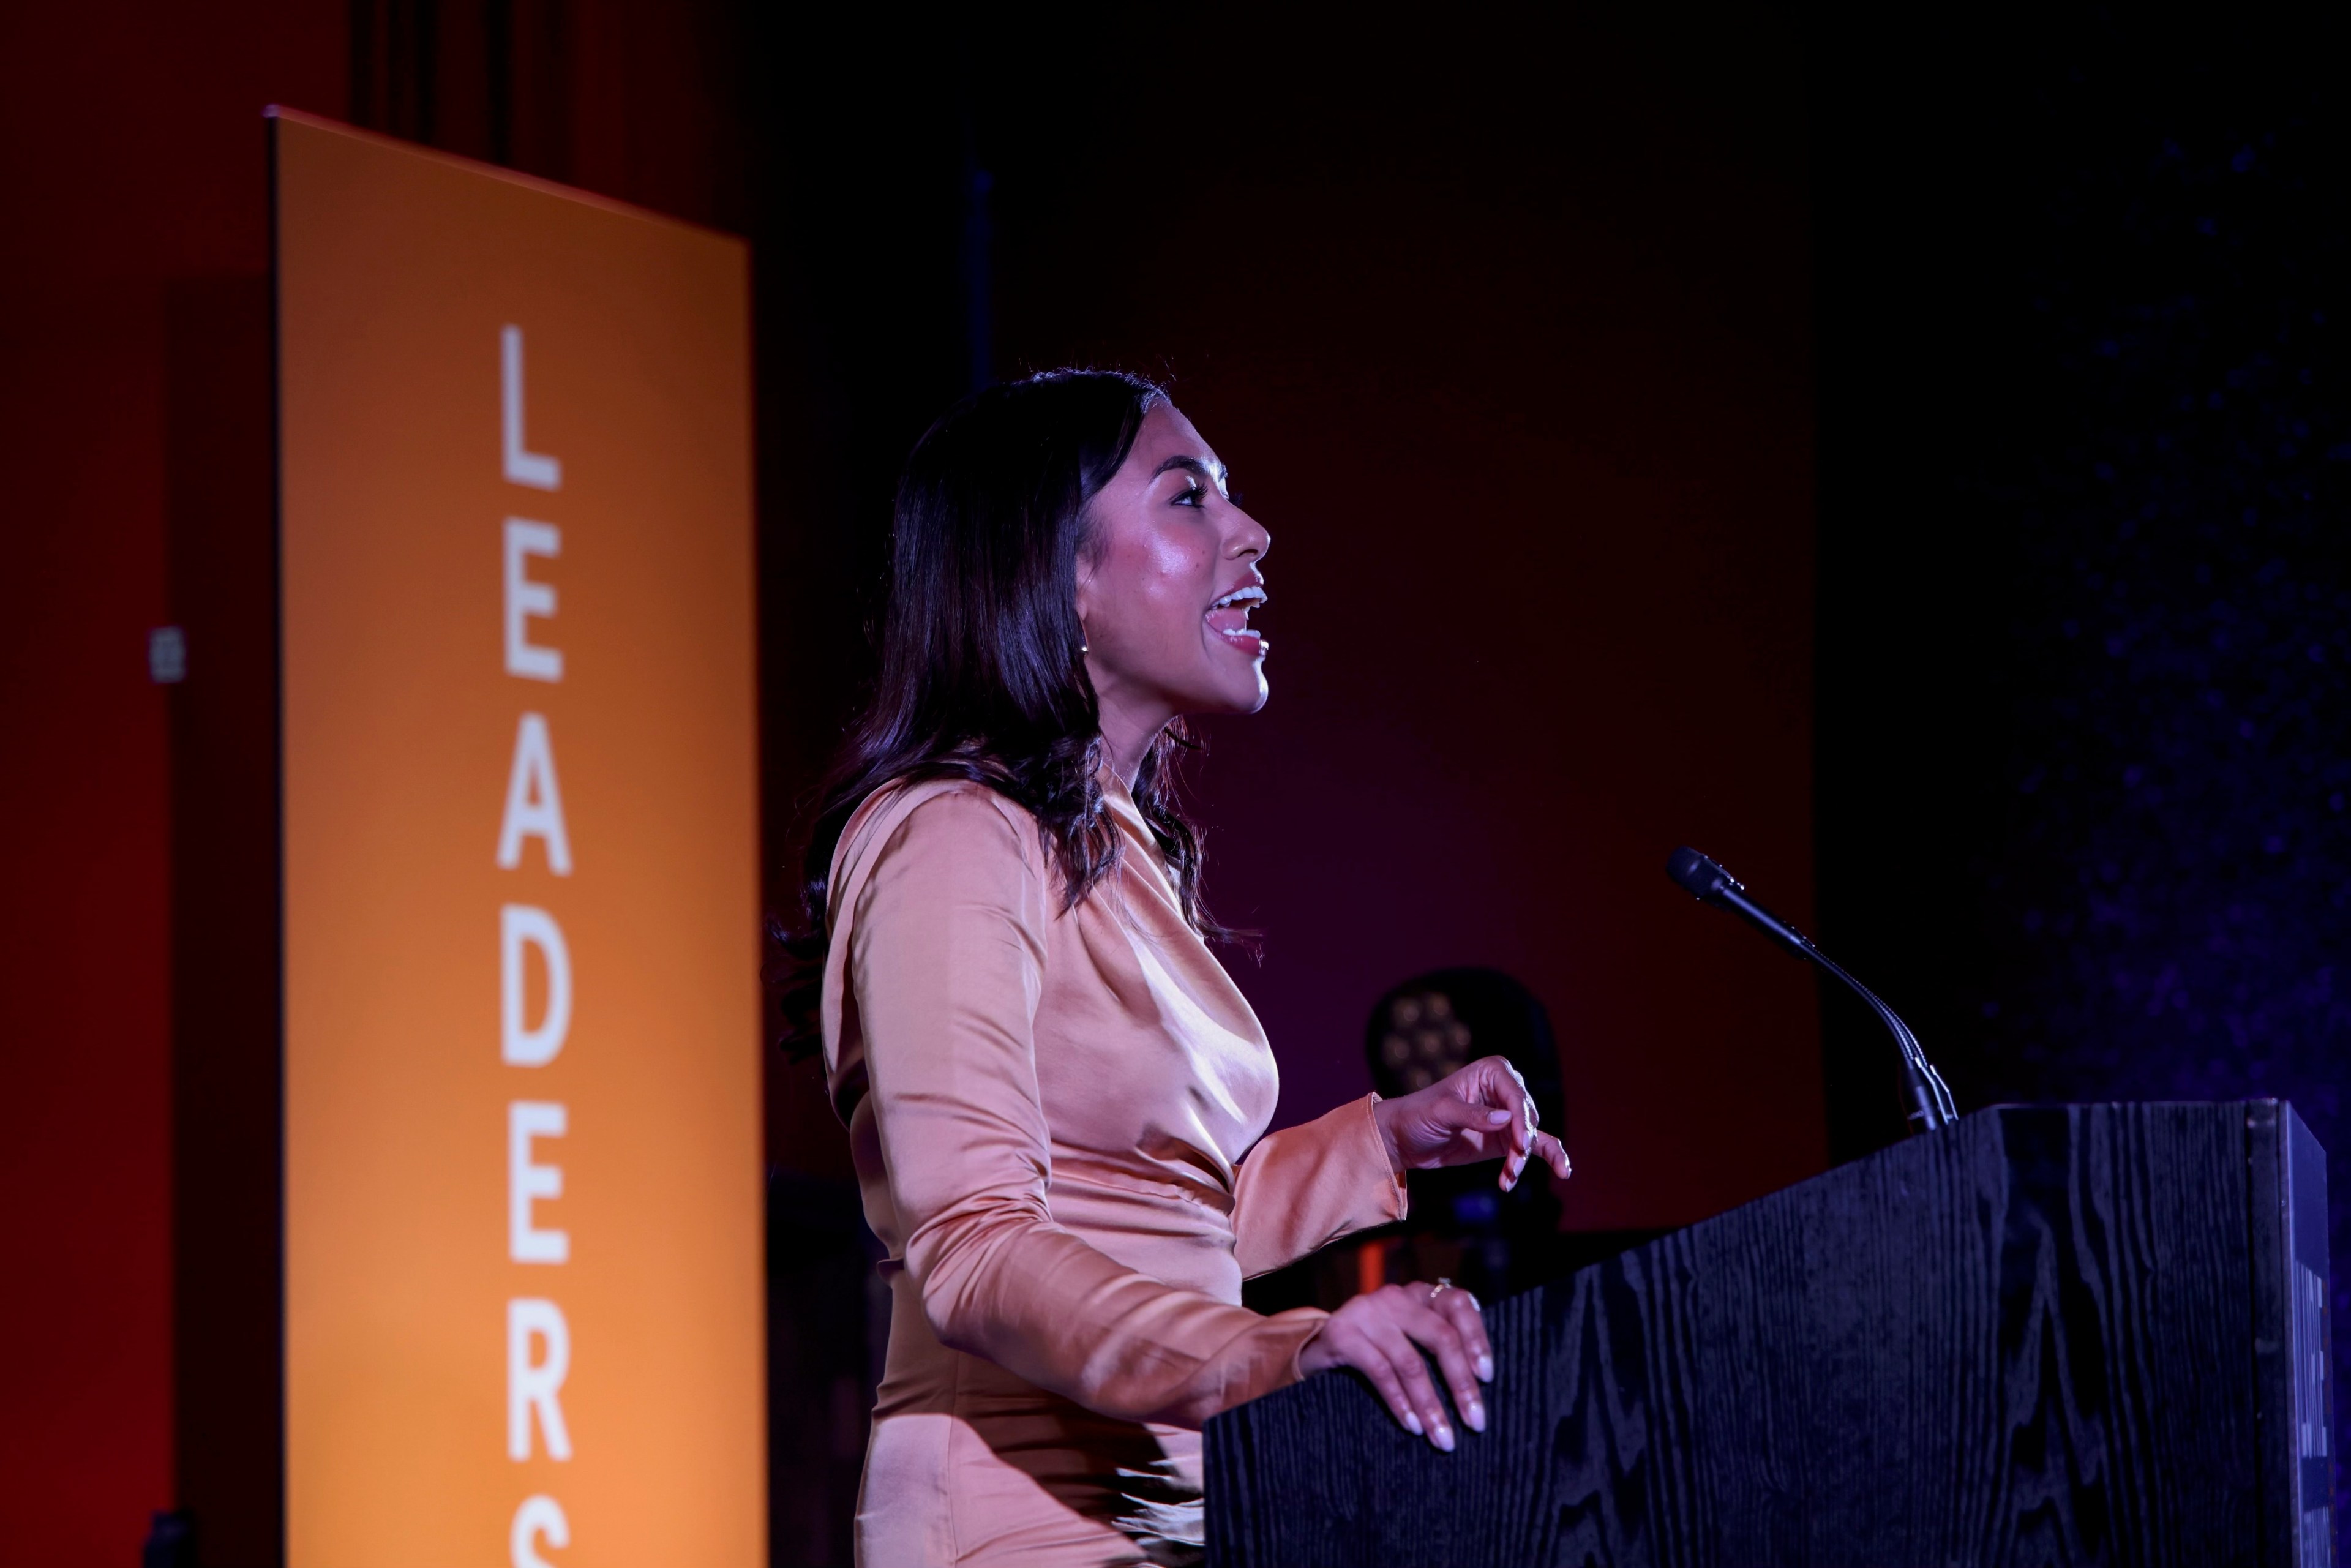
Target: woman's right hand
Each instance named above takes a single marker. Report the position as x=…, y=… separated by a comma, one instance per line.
x=1380, y=1335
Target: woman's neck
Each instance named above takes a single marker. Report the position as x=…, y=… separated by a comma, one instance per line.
x=1128, y=731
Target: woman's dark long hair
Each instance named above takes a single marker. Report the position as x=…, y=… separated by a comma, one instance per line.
x=982, y=675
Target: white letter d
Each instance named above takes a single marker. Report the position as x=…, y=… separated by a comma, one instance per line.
x=519, y=926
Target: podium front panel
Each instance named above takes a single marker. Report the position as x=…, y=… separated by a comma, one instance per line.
x=2049, y=1334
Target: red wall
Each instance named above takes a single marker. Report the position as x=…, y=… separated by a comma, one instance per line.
x=132, y=143
x=133, y=154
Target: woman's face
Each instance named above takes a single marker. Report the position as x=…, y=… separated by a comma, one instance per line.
x=1167, y=582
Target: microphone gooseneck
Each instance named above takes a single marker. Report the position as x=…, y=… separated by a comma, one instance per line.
x=1702, y=879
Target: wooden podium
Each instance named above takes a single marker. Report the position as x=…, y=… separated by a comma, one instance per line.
x=2084, y=1333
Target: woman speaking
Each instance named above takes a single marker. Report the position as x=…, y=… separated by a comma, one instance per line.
x=1054, y=1092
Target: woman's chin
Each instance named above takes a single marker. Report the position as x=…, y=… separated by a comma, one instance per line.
x=1251, y=697
x=1239, y=675
x=1228, y=678
x=1231, y=692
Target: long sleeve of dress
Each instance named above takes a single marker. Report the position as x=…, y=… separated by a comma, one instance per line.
x=1305, y=1186
x=946, y=954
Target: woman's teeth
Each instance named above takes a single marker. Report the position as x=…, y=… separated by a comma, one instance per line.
x=1229, y=616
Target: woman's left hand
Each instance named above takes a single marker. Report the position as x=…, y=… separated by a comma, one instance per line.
x=1482, y=1112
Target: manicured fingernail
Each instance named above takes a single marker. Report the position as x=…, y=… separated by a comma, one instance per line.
x=1484, y=1369
x=1445, y=1437
x=1412, y=1424
x=1476, y=1414
x=1496, y=1118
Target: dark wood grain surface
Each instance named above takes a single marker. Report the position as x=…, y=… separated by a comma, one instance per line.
x=2029, y=1339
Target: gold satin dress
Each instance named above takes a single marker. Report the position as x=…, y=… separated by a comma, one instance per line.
x=1048, y=1112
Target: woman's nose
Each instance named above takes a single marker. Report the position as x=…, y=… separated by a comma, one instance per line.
x=1251, y=539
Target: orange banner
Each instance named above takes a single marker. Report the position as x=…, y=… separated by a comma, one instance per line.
x=523, y=1282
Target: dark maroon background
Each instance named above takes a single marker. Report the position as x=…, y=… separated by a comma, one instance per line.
x=1507, y=339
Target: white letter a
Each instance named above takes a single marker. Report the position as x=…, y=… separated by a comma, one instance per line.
x=534, y=805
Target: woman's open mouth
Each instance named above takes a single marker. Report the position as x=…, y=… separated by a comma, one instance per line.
x=1229, y=618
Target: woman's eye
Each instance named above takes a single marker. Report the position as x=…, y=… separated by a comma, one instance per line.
x=1193, y=495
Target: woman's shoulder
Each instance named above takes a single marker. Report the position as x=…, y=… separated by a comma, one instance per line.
x=959, y=819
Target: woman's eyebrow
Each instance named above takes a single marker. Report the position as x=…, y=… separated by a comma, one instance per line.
x=1214, y=473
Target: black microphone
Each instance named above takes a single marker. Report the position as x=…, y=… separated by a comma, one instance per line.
x=1703, y=880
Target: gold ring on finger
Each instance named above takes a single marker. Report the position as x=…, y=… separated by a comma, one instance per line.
x=1443, y=1285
